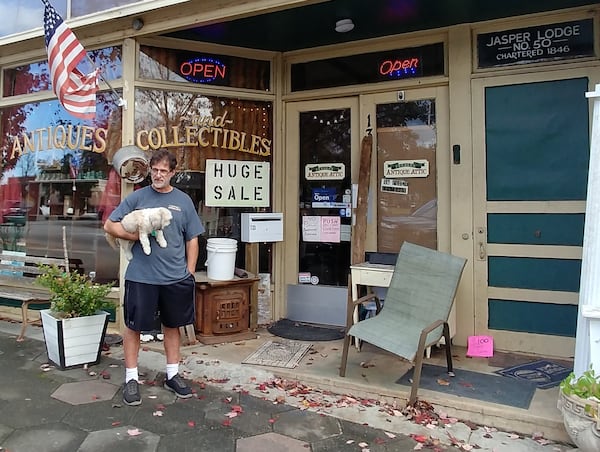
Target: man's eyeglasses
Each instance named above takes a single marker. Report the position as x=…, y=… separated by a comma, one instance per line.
x=162, y=172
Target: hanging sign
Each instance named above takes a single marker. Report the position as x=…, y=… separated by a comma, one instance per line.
x=558, y=41
x=406, y=168
x=237, y=183
x=325, y=171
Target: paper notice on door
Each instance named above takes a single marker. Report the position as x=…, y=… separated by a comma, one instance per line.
x=321, y=229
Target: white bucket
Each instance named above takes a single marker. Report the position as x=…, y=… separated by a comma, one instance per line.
x=220, y=258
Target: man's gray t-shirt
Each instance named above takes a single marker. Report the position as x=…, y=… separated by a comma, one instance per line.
x=162, y=265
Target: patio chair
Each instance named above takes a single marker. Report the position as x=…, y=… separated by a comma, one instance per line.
x=416, y=311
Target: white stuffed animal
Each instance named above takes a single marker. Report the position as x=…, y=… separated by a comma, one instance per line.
x=147, y=222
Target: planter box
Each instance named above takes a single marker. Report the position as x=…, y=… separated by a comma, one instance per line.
x=582, y=427
x=76, y=341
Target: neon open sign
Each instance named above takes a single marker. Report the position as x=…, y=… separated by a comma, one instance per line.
x=399, y=68
x=203, y=70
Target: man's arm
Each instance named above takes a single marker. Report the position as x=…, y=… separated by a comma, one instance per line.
x=116, y=229
x=191, y=254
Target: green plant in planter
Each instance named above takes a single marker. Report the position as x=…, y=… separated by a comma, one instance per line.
x=73, y=294
x=586, y=387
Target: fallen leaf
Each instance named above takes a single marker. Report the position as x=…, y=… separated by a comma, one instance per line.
x=272, y=421
x=443, y=382
x=363, y=445
x=191, y=423
x=350, y=441
x=116, y=423
x=157, y=413
x=134, y=432
x=226, y=423
x=390, y=435
x=418, y=438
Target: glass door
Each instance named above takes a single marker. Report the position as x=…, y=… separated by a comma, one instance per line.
x=408, y=198
x=321, y=142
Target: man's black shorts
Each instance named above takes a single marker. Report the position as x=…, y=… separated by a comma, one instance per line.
x=173, y=303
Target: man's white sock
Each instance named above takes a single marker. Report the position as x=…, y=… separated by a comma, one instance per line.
x=172, y=370
x=131, y=374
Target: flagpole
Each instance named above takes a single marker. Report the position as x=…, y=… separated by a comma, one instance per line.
x=121, y=102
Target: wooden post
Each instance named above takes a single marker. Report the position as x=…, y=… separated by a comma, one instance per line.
x=360, y=214
x=252, y=267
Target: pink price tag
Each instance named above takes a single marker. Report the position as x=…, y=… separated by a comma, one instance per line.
x=481, y=346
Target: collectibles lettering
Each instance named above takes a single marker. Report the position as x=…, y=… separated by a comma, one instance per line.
x=205, y=131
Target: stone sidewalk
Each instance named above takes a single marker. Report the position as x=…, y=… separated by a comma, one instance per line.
x=43, y=409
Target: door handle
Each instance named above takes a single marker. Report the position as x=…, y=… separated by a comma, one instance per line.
x=482, y=253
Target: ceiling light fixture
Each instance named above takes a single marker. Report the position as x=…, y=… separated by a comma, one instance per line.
x=137, y=24
x=344, y=25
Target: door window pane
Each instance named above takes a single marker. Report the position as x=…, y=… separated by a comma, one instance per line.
x=406, y=174
x=325, y=195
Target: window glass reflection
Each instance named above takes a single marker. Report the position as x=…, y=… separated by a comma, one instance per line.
x=197, y=127
x=35, y=77
x=54, y=175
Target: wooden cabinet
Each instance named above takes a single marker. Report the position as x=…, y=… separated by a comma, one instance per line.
x=223, y=308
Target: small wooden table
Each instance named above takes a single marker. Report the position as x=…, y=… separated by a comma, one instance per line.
x=370, y=275
x=223, y=308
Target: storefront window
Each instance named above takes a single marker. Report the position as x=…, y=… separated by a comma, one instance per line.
x=376, y=67
x=199, y=128
x=83, y=7
x=204, y=68
x=35, y=77
x=54, y=176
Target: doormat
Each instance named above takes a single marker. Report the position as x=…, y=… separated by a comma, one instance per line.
x=544, y=374
x=278, y=354
x=474, y=385
x=510, y=359
x=299, y=331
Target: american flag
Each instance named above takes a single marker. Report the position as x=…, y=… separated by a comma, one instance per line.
x=76, y=91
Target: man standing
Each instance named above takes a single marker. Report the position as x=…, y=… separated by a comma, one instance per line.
x=161, y=282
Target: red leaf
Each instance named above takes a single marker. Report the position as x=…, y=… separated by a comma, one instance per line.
x=191, y=423
x=419, y=438
x=226, y=423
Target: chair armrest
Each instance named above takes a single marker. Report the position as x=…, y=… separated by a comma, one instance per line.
x=366, y=299
x=433, y=326
x=353, y=303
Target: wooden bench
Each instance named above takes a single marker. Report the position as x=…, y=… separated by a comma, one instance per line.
x=17, y=282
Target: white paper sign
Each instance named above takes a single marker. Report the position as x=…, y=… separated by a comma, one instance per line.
x=321, y=229
x=237, y=183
